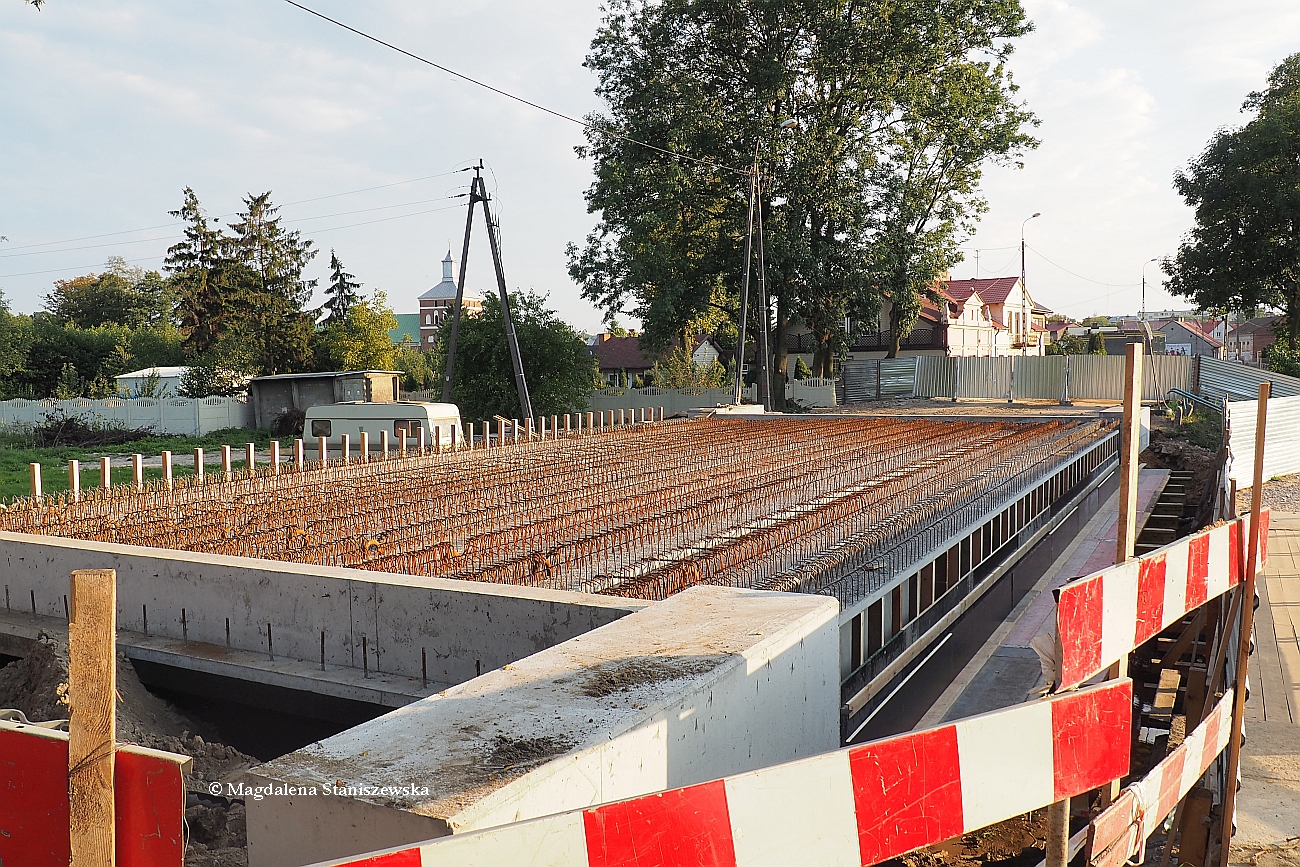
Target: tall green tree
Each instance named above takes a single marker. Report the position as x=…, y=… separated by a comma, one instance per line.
x=1244, y=250
x=341, y=294
x=199, y=267
x=896, y=106
x=269, y=261
x=559, y=368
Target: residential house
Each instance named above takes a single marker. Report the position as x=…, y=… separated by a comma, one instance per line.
x=1188, y=337
x=991, y=317
x=1218, y=329
x=1248, y=340
x=994, y=317
x=618, y=355
x=436, y=305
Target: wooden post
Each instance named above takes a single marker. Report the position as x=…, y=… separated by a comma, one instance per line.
x=92, y=731
x=105, y=473
x=437, y=439
x=453, y=430
x=383, y=443
x=365, y=447
x=1058, y=833
x=401, y=443
x=74, y=480
x=299, y=454
x=167, y=470
x=591, y=421
x=420, y=439
x=227, y=466
x=198, y=464
x=501, y=431
x=1130, y=445
x=250, y=458
x=137, y=471
x=1247, y=624
x=486, y=429
x=38, y=493
x=323, y=450
x=275, y=457
x=345, y=447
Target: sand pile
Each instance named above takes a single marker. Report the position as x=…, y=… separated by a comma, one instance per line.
x=37, y=685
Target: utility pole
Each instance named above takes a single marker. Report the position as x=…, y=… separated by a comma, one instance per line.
x=765, y=348
x=1143, y=317
x=478, y=194
x=744, y=287
x=1022, y=266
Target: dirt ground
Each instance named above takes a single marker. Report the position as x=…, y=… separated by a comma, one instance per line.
x=37, y=685
x=1018, y=842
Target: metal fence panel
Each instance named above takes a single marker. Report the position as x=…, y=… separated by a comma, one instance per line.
x=878, y=378
x=1220, y=379
x=935, y=376
x=987, y=378
x=1281, y=440
x=1039, y=378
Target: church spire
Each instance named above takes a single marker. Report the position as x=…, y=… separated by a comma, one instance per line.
x=446, y=266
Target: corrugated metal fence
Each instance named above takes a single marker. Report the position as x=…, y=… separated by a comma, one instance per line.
x=1220, y=379
x=879, y=378
x=1077, y=377
x=1281, y=441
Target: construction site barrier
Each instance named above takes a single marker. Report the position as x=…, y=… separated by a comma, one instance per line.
x=1120, y=831
x=860, y=805
x=169, y=415
x=149, y=801
x=1102, y=618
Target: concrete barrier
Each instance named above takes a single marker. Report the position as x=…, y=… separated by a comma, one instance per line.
x=242, y=603
x=711, y=682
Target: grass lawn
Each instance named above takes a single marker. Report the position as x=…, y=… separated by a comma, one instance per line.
x=17, y=453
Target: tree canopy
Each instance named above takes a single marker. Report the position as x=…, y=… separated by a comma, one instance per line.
x=360, y=339
x=559, y=369
x=1244, y=250
x=241, y=293
x=896, y=108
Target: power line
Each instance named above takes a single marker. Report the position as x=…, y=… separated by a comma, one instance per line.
x=84, y=268
x=1080, y=276
x=582, y=123
x=233, y=213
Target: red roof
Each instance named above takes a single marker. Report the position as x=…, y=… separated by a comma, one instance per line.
x=1196, y=329
x=621, y=353
x=993, y=290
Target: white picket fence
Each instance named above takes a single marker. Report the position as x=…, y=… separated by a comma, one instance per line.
x=182, y=416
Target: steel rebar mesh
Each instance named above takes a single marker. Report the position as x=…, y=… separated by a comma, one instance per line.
x=641, y=510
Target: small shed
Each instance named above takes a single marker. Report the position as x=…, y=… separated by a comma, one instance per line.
x=151, y=382
x=273, y=395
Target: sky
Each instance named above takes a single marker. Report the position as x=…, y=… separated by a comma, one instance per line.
x=110, y=108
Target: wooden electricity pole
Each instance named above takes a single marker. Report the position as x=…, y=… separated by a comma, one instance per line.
x=1247, y=624
x=478, y=195
x=92, y=729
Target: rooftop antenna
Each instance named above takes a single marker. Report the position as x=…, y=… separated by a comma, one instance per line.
x=478, y=194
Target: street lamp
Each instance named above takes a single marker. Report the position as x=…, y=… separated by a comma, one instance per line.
x=1144, y=286
x=1022, y=250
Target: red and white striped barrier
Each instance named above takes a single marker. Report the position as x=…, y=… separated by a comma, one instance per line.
x=1120, y=832
x=1105, y=616
x=856, y=806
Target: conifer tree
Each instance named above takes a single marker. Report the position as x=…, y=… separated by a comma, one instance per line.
x=342, y=292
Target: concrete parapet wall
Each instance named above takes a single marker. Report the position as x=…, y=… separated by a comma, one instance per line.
x=711, y=682
x=462, y=627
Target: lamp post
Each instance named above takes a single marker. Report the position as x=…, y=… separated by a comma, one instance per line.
x=1144, y=286
x=1022, y=249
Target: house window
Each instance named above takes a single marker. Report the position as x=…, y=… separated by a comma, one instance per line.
x=428, y=319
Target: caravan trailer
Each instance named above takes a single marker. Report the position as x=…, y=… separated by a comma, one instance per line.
x=333, y=420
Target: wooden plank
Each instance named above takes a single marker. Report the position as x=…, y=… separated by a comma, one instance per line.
x=1247, y=623
x=1162, y=709
x=1194, y=831
x=92, y=734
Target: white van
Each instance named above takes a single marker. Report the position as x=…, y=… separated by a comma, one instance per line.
x=333, y=420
